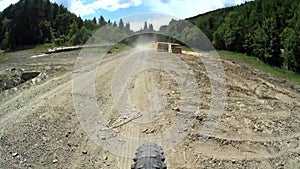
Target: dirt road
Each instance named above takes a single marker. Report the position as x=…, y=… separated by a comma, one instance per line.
x=43, y=126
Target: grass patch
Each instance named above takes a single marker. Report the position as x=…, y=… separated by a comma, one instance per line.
x=3, y=56
x=44, y=47
x=36, y=48
x=93, y=50
x=116, y=48
x=258, y=64
x=186, y=48
x=122, y=46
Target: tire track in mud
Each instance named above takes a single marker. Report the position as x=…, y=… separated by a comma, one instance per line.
x=129, y=129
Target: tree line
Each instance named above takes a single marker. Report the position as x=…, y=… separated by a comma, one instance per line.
x=32, y=22
x=266, y=29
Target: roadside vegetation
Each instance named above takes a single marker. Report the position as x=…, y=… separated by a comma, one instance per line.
x=30, y=22
x=258, y=64
x=2, y=56
x=266, y=29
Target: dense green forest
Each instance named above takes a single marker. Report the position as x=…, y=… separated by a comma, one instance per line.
x=266, y=29
x=32, y=22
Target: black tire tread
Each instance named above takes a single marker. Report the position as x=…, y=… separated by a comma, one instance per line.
x=149, y=156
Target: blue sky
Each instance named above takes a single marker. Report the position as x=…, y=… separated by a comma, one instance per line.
x=116, y=9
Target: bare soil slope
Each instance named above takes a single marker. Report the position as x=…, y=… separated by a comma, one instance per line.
x=39, y=127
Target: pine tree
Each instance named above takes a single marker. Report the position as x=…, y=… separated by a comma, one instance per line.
x=151, y=27
x=109, y=23
x=94, y=20
x=102, y=21
x=115, y=24
x=145, y=26
x=127, y=27
x=121, y=24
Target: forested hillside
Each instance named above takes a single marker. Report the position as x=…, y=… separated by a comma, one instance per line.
x=267, y=29
x=31, y=22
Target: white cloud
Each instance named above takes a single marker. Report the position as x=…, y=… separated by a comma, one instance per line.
x=239, y=1
x=188, y=8
x=175, y=9
x=82, y=9
x=5, y=3
x=113, y=5
x=178, y=8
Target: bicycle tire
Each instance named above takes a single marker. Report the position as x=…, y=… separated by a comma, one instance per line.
x=149, y=156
